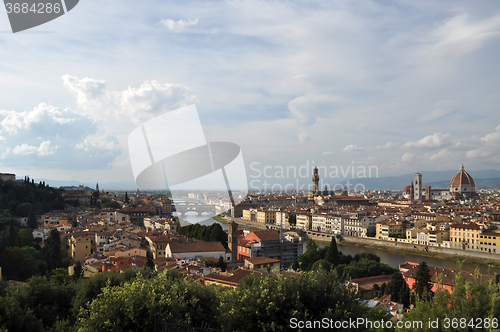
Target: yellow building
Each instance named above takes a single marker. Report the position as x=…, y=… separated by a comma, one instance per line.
x=158, y=245
x=465, y=236
x=389, y=227
x=489, y=242
x=81, y=245
x=267, y=216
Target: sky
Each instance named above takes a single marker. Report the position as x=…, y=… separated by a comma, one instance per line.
x=397, y=85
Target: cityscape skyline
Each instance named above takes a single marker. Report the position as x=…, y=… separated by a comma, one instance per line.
x=398, y=86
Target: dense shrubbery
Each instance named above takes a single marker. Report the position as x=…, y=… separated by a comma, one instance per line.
x=213, y=233
x=124, y=302
x=470, y=303
x=347, y=267
x=19, y=198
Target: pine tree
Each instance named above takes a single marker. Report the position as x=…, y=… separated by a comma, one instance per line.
x=127, y=200
x=423, y=284
x=53, y=250
x=332, y=254
x=32, y=223
x=78, y=271
x=395, y=285
x=404, y=295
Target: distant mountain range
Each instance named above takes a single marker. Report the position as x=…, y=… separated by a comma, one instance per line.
x=485, y=179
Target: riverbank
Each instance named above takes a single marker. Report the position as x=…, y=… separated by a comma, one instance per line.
x=420, y=252
x=241, y=223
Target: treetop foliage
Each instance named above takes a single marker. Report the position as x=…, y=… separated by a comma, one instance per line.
x=213, y=233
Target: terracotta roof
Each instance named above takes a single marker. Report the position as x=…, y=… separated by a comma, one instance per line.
x=465, y=226
x=366, y=284
x=447, y=274
x=230, y=278
x=262, y=260
x=268, y=235
x=461, y=178
x=196, y=247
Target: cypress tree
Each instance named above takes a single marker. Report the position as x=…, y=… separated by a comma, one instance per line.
x=332, y=254
x=32, y=219
x=423, y=284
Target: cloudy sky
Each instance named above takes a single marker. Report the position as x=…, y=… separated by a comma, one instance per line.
x=400, y=85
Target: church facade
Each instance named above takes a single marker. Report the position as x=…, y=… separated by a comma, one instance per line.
x=462, y=186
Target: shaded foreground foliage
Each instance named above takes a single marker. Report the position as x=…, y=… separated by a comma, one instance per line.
x=128, y=302
x=470, y=303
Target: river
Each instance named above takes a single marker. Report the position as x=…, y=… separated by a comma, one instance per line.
x=390, y=258
x=394, y=259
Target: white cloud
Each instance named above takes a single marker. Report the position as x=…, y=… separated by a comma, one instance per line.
x=462, y=34
x=178, y=26
x=306, y=109
x=47, y=130
x=136, y=104
x=487, y=146
x=99, y=142
x=352, y=147
x=24, y=149
x=327, y=153
x=408, y=158
x=85, y=89
x=45, y=148
x=388, y=145
x=432, y=141
x=43, y=120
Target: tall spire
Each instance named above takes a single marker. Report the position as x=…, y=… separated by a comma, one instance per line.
x=462, y=167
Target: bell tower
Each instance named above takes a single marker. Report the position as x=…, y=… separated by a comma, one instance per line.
x=417, y=179
x=315, y=179
x=232, y=240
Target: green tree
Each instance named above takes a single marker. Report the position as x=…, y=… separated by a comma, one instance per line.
x=222, y=264
x=423, y=284
x=267, y=303
x=24, y=238
x=32, y=223
x=52, y=250
x=77, y=271
x=395, y=286
x=479, y=298
x=127, y=200
x=16, y=265
x=295, y=265
x=134, y=306
x=311, y=255
x=332, y=254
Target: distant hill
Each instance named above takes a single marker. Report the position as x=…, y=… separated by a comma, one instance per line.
x=106, y=186
x=485, y=179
